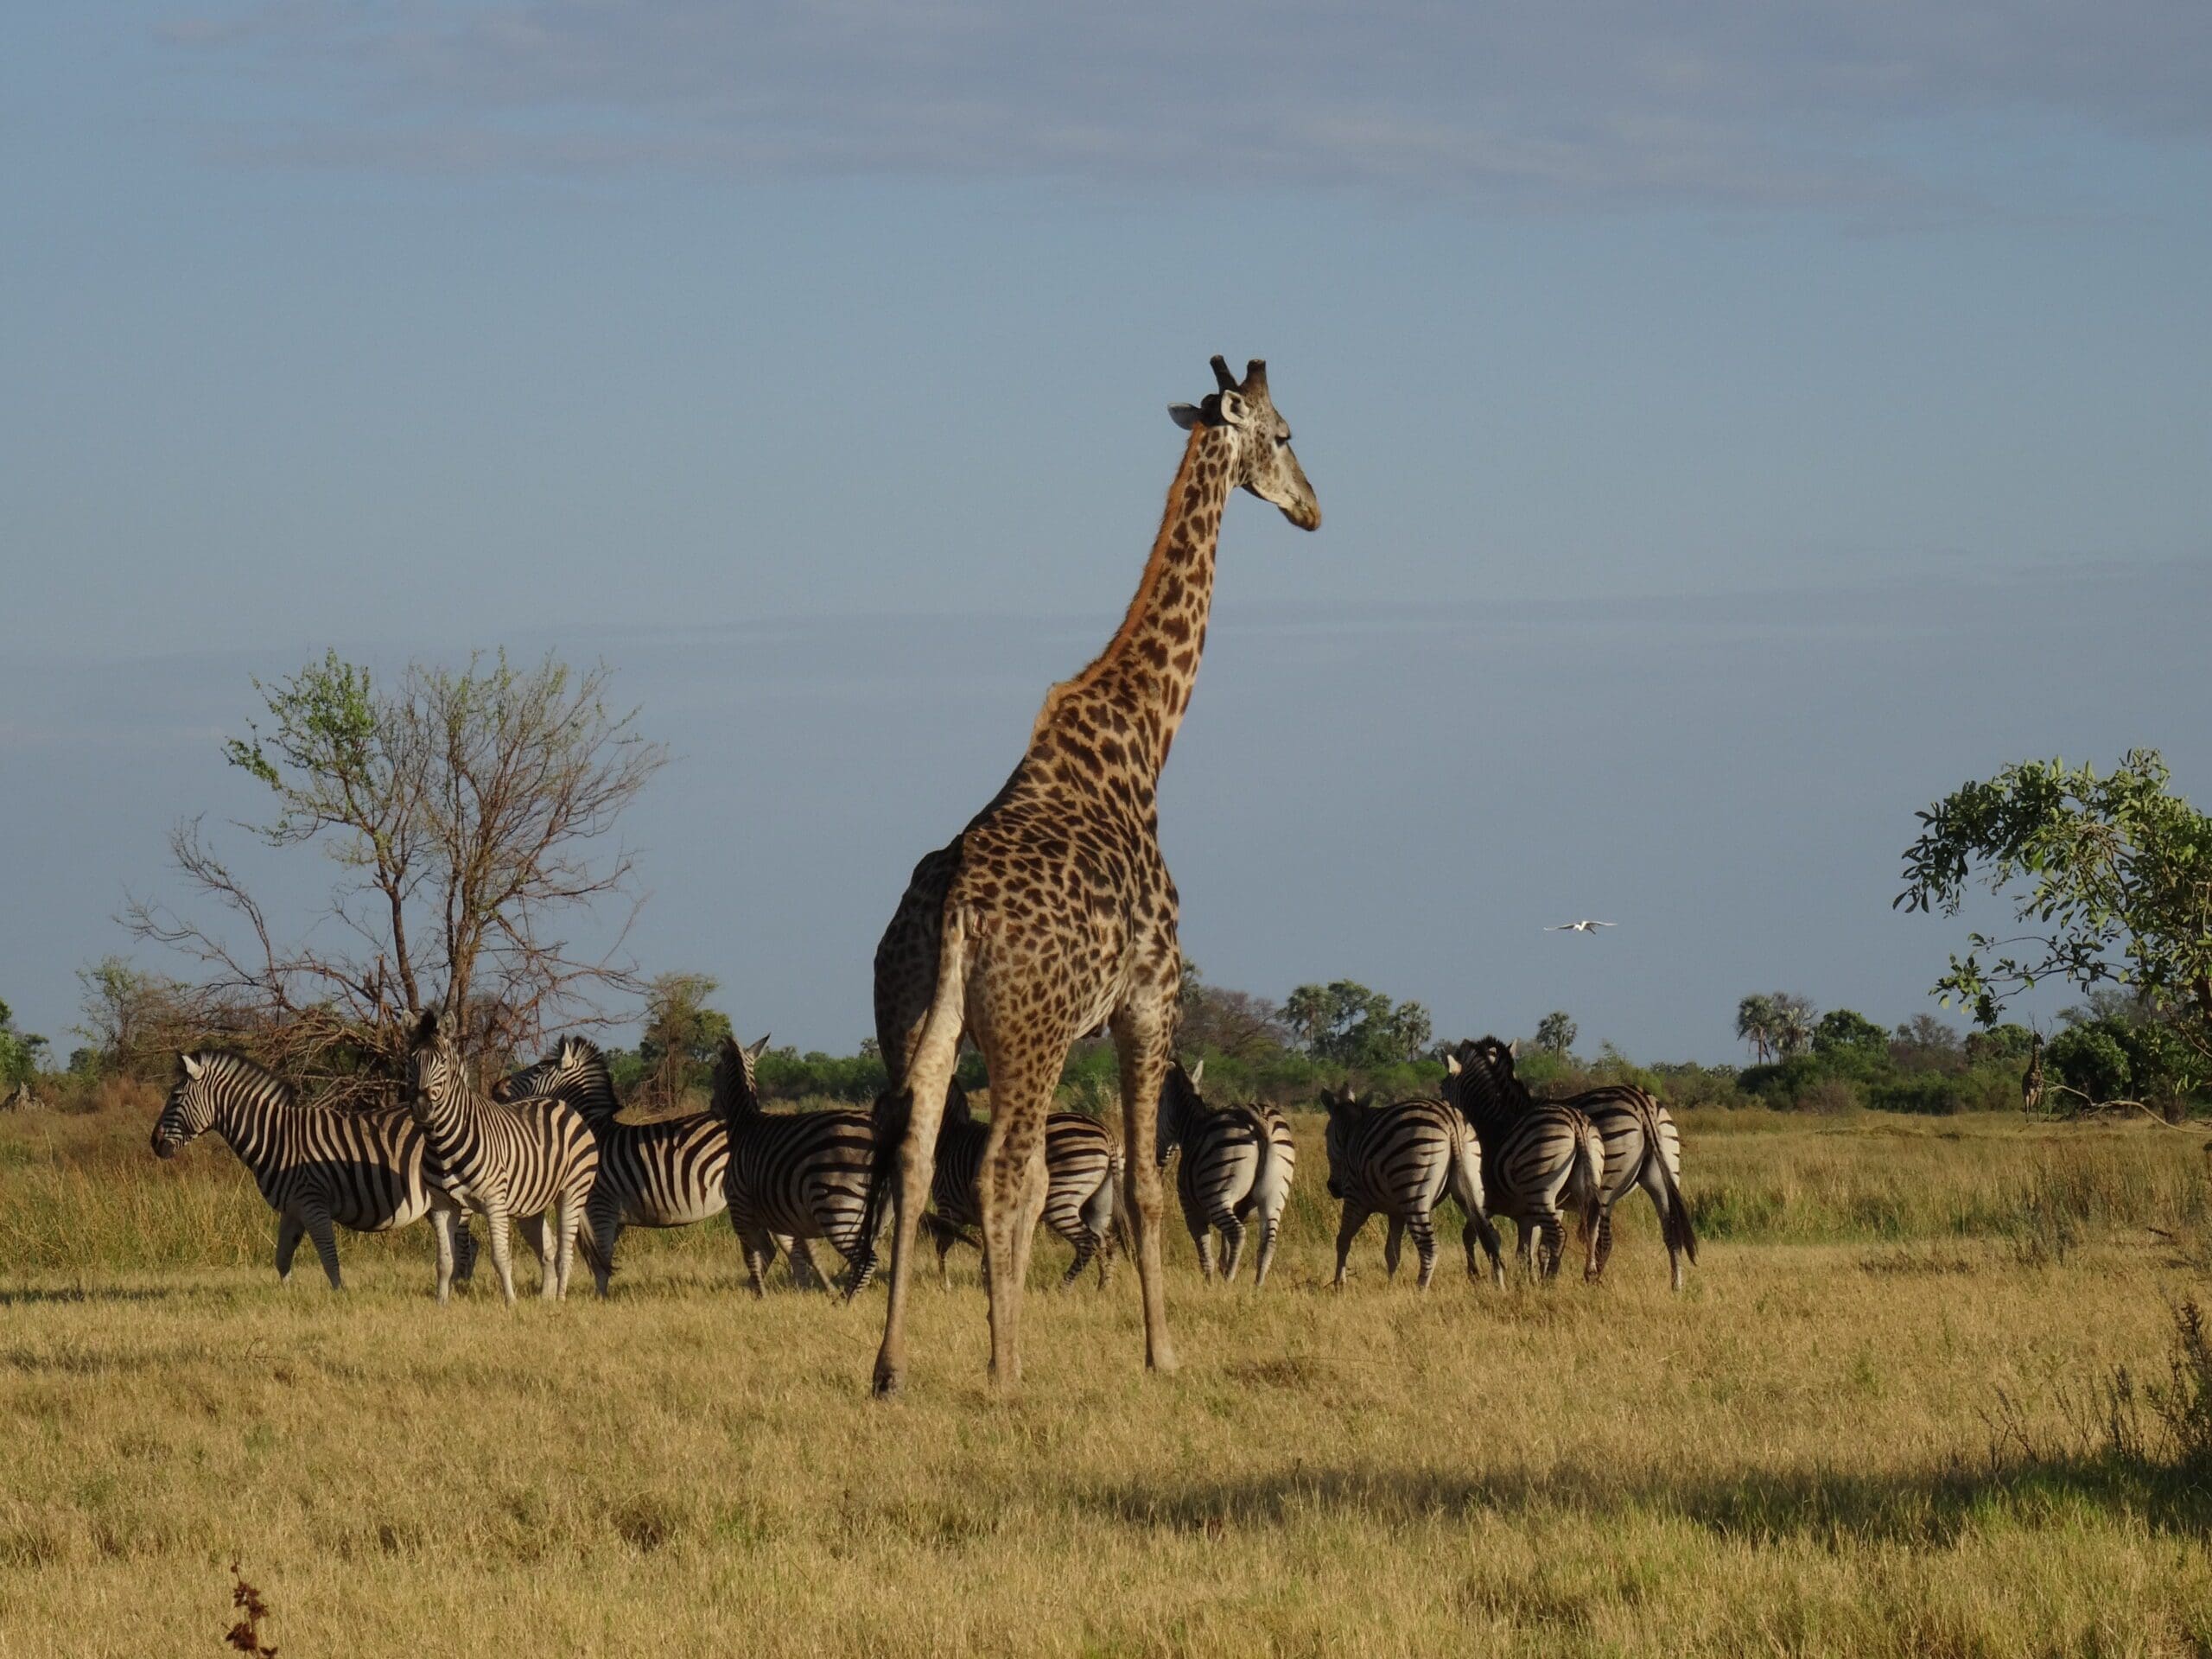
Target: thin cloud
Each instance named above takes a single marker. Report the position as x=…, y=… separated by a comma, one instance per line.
x=1743, y=103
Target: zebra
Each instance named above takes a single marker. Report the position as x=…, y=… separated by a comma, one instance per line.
x=517, y=1159
x=795, y=1176
x=1642, y=1148
x=1402, y=1160
x=316, y=1166
x=1237, y=1161
x=1083, y=1194
x=1534, y=1152
x=666, y=1172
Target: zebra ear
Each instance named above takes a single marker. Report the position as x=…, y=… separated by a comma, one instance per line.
x=426, y=1028
x=1450, y=1065
x=1198, y=1073
x=1513, y=1049
x=759, y=1048
x=193, y=1065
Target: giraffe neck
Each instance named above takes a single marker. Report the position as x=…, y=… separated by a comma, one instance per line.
x=1150, y=664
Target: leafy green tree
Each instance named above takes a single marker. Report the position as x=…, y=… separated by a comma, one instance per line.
x=1555, y=1033
x=1847, y=1031
x=2010, y=1042
x=681, y=1033
x=2091, y=1060
x=2109, y=876
x=20, y=1051
x=1348, y=1023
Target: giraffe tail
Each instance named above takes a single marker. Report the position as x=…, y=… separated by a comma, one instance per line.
x=929, y=1073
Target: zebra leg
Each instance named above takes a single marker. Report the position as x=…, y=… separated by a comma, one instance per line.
x=317, y=1222
x=571, y=1219
x=441, y=1230
x=1525, y=1243
x=1554, y=1242
x=1347, y=1230
x=1086, y=1245
x=1391, y=1248
x=495, y=1223
x=798, y=1259
x=540, y=1238
x=288, y=1230
x=1423, y=1228
x=605, y=1223
x=1232, y=1238
x=1601, y=1247
x=760, y=1251
x=1202, y=1236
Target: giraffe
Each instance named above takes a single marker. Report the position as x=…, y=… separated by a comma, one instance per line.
x=1052, y=911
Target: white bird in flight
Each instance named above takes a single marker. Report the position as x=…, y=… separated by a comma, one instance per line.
x=1580, y=927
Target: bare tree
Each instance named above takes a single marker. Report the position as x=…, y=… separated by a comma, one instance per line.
x=469, y=814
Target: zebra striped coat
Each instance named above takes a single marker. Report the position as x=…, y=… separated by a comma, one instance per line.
x=1237, y=1162
x=796, y=1175
x=1535, y=1153
x=1083, y=1193
x=1642, y=1148
x=316, y=1167
x=1402, y=1161
x=519, y=1160
x=669, y=1172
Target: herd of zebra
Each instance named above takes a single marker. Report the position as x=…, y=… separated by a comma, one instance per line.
x=547, y=1150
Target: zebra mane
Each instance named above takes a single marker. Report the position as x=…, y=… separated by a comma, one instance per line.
x=231, y=1064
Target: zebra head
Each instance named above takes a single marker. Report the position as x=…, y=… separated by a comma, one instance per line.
x=1482, y=1079
x=575, y=1072
x=434, y=1067
x=189, y=1111
x=1180, y=1104
x=205, y=1081
x=737, y=1089
x=1345, y=1109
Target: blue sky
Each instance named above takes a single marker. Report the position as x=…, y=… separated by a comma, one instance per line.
x=1736, y=425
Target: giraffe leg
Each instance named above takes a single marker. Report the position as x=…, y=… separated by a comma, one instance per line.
x=290, y=1230
x=934, y=1058
x=1021, y=1087
x=1143, y=1034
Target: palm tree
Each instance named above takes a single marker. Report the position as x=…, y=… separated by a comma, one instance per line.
x=1793, y=1024
x=1755, y=1023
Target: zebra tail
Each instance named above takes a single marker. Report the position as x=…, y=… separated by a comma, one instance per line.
x=1590, y=1167
x=929, y=1072
x=1679, y=1230
x=1264, y=1170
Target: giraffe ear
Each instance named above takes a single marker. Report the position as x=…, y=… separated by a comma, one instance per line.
x=1235, y=411
x=1185, y=416
x=193, y=1065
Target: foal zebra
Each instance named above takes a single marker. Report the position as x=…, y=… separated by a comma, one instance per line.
x=1237, y=1161
x=794, y=1176
x=315, y=1166
x=1535, y=1152
x=516, y=1160
x=669, y=1172
x=1642, y=1148
x=1083, y=1192
x=1402, y=1161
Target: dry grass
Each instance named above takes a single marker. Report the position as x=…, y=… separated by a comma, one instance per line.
x=1806, y=1452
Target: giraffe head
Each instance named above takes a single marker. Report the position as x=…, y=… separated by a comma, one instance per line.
x=1265, y=463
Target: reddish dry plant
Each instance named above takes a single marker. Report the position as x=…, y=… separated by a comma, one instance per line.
x=245, y=1636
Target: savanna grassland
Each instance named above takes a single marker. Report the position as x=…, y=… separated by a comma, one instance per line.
x=1880, y=1421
